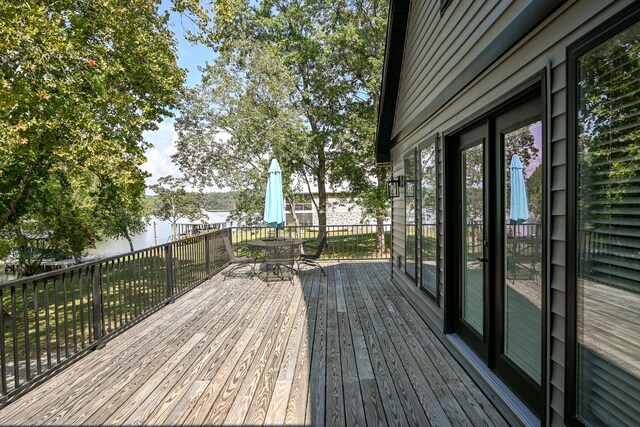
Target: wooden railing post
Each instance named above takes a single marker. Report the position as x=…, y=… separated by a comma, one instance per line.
x=168, y=257
x=96, y=295
x=207, y=253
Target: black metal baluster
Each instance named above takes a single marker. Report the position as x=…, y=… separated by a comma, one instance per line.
x=106, y=285
x=99, y=298
x=14, y=329
x=156, y=276
x=36, y=311
x=3, y=357
x=73, y=311
x=47, y=324
x=178, y=274
x=128, y=279
x=25, y=325
x=90, y=325
x=81, y=305
x=65, y=312
x=57, y=318
x=96, y=297
x=118, y=284
x=138, y=285
x=191, y=263
x=146, y=270
x=114, y=290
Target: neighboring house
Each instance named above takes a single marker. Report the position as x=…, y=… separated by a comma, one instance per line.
x=542, y=308
x=340, y=211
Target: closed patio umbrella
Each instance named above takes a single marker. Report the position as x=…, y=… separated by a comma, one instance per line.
x=274, y=201
x=519, y=207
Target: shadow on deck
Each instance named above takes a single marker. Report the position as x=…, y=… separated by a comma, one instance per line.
x=347, y=349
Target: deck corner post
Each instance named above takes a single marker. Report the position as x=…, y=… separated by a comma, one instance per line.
x=97, y=305
x=168, y=252
x=207, y=254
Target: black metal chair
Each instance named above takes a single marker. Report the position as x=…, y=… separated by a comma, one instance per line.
x=311, y=259
x=280, y=260
x=237, y=262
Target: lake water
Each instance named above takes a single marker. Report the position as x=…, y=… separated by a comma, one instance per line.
x=111, y=247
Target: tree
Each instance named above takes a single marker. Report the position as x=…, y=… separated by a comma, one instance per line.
x=62, y=224
x=360, y=43
x=176, y=203
x=121, y=210
x=535, y=193
x=236, y=121
x=220, y=201
x=80, y=81
x=331, y=54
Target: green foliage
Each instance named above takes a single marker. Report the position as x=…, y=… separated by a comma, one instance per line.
x=80, y=81
x=220, y=201
x=535, y=193
x=176, y=202
x=609, y=135
x=239, y=118
x=298, y=81
x=121, y=211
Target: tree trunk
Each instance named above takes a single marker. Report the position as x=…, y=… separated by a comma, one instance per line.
x=322, y=192
x=173, y=231
x=126, y=236
x=294, y=215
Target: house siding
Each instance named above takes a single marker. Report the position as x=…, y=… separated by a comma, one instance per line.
x=436, y=50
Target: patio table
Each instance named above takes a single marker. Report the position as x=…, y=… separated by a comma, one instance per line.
x=279, y=253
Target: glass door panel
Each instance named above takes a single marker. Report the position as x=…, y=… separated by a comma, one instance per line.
x=410, y=215
x=473, y=238
x=523, y=249
x=428, y=188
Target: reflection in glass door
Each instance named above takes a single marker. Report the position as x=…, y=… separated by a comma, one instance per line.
x=516, y=333
x=472, y=224
x=428, y=224
x=496, y=244
x=522, y=296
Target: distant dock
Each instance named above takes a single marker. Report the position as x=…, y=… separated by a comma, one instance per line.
x=11, y=265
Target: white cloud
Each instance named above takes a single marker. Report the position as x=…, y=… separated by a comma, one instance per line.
x=159, y=162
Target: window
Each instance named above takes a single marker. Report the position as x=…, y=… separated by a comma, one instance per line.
x=302, y=203
x=605, y=388
x=410, y=214
x=428, y=222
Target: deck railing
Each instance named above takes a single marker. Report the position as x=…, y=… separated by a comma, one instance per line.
x=52, y=319
x=344, y=242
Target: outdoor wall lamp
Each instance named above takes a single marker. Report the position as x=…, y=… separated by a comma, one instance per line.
x=393, y=186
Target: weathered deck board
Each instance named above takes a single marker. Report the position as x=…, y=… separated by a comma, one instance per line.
x=345, y=349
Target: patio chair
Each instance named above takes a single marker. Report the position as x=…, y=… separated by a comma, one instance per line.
x=523, y=256
x=280, y=260
x=237, y=262
x=311, y=259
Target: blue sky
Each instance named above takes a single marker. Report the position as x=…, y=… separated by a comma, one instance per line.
x=190, y=57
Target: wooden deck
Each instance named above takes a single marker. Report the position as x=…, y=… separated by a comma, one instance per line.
x=347, y=349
